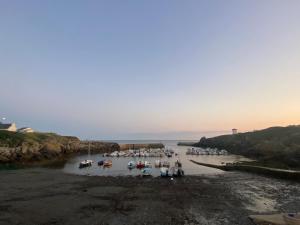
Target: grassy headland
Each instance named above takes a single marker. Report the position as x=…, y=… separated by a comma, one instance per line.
x=20, y=147
x=277, y=147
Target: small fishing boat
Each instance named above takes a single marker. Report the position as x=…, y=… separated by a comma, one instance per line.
x=166, y=164
x=100, y=163
x=140, y=165
x=146, y=172
x=85, y=163
x=164, y=172
x=131, y=165
x=157, y=163
x=292, y=218
x=176, y=172
x=148, y=164
x=107, y=163
x=178, y=164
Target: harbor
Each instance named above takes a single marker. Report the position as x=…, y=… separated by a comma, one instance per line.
x=170, y=154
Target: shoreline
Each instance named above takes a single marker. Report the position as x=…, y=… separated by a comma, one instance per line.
x=55, y=197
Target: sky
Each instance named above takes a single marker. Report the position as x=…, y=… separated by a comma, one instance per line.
x=138, y=69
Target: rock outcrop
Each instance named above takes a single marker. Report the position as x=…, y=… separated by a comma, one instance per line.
x=16, y=147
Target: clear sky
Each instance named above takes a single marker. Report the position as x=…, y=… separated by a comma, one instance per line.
x=126, y=69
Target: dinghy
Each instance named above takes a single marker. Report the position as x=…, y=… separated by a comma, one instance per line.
x=157, y=163
x=85, y=163
x=148, y=164
x=164, y=172
x=131, y=165
x=146, y=172
x=107, y=163
x=166, y=164
x=140, y=165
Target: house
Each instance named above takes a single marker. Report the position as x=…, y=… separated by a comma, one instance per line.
x=25, y=130
x=234, y=131
x=8, y=127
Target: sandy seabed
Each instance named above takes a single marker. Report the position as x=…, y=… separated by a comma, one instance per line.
x=41, y=196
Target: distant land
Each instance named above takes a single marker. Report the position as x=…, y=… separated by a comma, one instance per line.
x=274, y=146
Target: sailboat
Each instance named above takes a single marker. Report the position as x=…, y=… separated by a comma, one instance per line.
x=86, y=162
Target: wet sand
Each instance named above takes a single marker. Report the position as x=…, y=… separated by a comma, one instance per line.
x=41, y=196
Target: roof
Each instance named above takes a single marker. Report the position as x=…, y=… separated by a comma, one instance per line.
x=24, y=128
x=5, y=126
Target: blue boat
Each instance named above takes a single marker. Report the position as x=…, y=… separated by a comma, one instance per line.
x=146, y=172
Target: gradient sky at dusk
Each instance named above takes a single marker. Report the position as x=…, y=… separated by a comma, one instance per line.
x=149, y=69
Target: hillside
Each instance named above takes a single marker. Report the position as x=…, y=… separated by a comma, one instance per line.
x=276, y=145
x=18, y=147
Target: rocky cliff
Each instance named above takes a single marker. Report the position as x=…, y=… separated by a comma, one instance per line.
x=16, y=147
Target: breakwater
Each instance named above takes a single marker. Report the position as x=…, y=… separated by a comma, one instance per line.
x=267, y=171
x=124, y=147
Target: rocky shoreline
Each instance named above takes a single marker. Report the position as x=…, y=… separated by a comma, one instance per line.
x=36, y=147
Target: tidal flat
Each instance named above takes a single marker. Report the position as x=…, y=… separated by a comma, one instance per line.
x=40, y=196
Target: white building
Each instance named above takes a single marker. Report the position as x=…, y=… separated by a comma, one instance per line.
x=234, y=131
x=25, y=130
x=8, y=127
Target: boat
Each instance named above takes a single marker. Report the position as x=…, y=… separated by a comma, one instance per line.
x=140, y=165
x=292, y=218
x=157, y=163
x=166, y=164
x=87, y=162
x=164, y=172
x=178, y=164
x=100, y=163
x=148, y=164
x=131, y=165
x=146, y=172
x=107, y=163
x=176, y=172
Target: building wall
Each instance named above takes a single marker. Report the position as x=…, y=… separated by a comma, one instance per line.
x=12, y=128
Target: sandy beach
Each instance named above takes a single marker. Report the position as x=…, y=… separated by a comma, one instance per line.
x=41, y=196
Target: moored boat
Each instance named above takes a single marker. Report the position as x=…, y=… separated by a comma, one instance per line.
x=164, y=172
x=131, y=165
x=140, y=165
x=146, y=172
x=157, y=163
x=178, y=163
x=85, y=163
x=148, y=164
x=166, y=164
x=107, y=163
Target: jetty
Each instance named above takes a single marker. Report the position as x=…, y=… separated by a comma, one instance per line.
x=272, y=172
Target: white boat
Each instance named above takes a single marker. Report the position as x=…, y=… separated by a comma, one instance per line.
x=87, y=162
x=166, y=164
x=146, y=172
x=164, y=172
x=157, y=163
x=107, y=163
x=148, y=164
x=131, y=165
x=176, y=172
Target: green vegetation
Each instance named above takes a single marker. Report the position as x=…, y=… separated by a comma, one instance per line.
x=276, y=146
x=14, y=139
